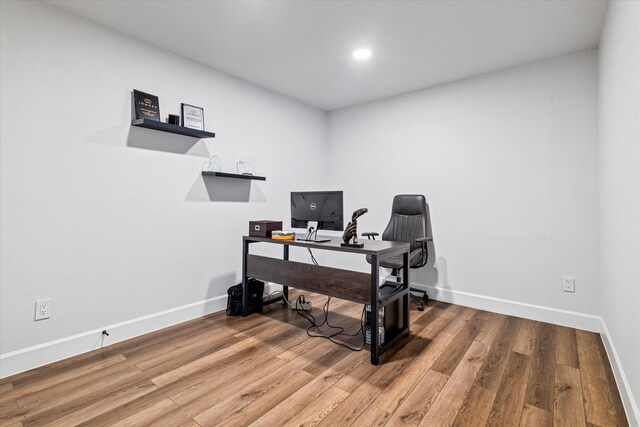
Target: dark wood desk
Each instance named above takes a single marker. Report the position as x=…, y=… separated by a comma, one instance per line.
x=354, y=286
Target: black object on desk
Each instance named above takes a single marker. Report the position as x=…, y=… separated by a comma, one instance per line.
x=351, y=232
x=263, y=228
x=354, y=286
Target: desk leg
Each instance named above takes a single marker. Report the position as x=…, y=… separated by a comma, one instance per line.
x=245, y=286
x=285, y=289
x=375, y=320
x=406, y=298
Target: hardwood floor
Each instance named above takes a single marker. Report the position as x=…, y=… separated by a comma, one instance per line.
x=461, y=367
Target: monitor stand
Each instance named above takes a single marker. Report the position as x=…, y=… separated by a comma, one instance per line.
x=314, y=240
x=312, y=234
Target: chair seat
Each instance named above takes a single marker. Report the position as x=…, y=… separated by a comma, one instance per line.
x=396, y=260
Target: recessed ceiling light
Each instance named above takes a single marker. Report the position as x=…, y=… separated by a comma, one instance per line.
x=361, y=54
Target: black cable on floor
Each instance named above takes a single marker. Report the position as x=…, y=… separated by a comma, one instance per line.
x=340, y=330
x=325, y=309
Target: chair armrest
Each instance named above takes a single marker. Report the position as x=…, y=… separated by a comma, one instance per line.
x=370, y=235
x=424, y=250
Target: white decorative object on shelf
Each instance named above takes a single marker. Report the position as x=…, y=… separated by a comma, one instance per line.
x=214, y=164
x=244, y=167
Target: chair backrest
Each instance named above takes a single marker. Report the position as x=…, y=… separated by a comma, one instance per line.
x=408, y=219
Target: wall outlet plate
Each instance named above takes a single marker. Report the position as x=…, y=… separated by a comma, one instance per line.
x=568, y=284
x=43, y=309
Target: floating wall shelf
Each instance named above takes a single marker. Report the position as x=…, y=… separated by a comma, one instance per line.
x=166, y=127
x=234, y=175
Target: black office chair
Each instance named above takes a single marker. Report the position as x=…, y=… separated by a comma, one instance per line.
x=408, y=223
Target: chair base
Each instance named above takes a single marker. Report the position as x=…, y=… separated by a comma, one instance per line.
x=425, y=298
x=396, y=272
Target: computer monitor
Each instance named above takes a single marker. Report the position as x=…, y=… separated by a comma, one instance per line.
x=323, y=207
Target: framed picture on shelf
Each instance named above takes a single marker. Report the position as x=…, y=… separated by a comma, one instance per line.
x=146, y=106
x=192, y=117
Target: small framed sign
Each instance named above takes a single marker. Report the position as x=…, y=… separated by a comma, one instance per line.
x=192, y=117
x=146, y=106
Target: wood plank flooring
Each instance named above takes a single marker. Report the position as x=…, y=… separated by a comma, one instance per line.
x=460, y=366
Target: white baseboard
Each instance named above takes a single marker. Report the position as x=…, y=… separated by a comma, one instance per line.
x=42, y=354
x=540, y=313
x=630, y=406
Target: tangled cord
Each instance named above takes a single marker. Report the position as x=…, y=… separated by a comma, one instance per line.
x=325, y=309
x=339, y=329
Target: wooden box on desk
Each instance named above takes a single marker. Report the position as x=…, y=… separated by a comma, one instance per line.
x=263, y=228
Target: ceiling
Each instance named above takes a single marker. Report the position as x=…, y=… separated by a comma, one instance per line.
x=304, y=49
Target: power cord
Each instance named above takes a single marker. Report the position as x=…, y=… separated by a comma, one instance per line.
x=268, y=296
x=312, y=234
x=340, y=330
x=313, y=322
x=313, y=259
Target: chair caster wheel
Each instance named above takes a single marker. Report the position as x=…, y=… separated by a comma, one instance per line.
x=420, y=307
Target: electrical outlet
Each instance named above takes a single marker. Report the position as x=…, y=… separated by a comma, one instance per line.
x=568, y=284
x=43, y=309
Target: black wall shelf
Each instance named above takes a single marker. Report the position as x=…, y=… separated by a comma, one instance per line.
x=166, y=127
x=234, y=175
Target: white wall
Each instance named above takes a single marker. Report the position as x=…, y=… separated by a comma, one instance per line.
x=109, y=230
x=620, y=189
x=116, y=223
x=508, y=163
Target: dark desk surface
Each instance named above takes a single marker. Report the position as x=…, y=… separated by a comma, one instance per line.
x=371, y=247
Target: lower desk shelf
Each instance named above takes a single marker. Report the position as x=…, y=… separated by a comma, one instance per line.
x=391, y=291
x=392, y=337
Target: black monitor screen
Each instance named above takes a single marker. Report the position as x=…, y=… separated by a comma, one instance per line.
x=322, y=206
